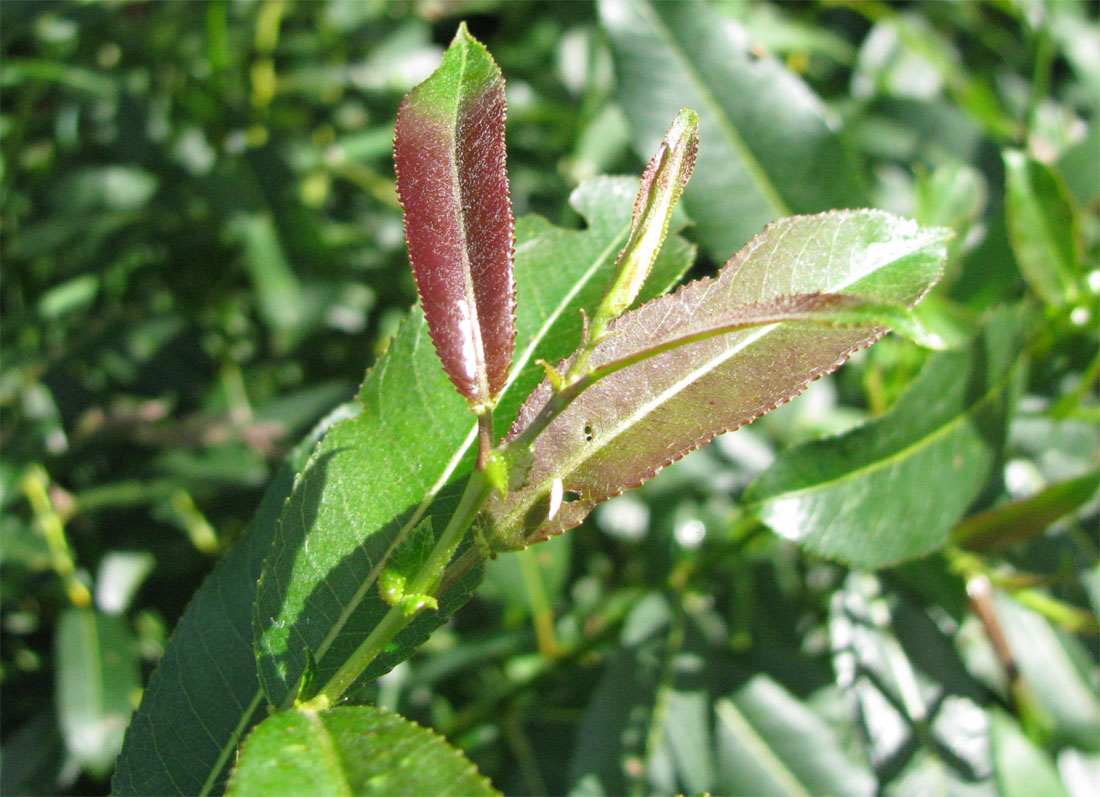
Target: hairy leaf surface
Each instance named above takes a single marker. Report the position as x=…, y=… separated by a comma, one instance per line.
x=351, y=750
x=406, y=457
x=630, y=424
x=453, y=183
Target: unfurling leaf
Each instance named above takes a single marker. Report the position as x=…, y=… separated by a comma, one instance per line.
x=662, y=184
x=453, y=182
x=672, y=397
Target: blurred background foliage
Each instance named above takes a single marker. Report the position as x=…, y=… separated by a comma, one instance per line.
x=202, y=251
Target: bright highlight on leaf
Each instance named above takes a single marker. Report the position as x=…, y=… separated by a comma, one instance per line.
x=453, y=183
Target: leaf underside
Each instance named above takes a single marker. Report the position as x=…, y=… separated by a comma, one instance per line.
x=453, y=182
x=634, y=422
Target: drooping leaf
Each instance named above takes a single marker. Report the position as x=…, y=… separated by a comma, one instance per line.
x=349, y=750
x=1043, y=227
x=97, y=679
x=931, y=454
x=766, y=147
x=204, y=694
x=403, y=460
x=453, y=183
x=630, y=424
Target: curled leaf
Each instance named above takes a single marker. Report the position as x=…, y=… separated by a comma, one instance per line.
x=662, y=184
x=453, y=183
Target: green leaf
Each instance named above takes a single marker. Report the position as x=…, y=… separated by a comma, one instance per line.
x=1021, y=769
x=453, y=182
x=1043, y=228
x=768, y=742
x=1017, y=521
x=204, y=694
x=358, y=750
x=671, y=714
x=98, y=679
x=628, y=425
x=894, y=488
x=1057, y=669
x=406, y=457
x=766, y=149
x=921, y=715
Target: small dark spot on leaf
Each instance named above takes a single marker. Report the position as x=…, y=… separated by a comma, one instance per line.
x=569, y=496
x=588, y=432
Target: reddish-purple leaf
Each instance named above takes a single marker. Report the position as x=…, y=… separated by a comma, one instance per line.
x=628, y=425
x=453, y=182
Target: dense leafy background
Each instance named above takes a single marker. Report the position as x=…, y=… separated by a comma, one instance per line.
x=202, y=253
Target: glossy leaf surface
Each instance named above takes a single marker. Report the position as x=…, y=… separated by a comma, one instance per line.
x=405, y=458
x=766, y=149
x=351, y=750
x=930, y=453
x=453, y=183
x=629, y=425
x=204, y=694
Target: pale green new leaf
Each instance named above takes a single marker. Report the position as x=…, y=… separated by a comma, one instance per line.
x=351, y=750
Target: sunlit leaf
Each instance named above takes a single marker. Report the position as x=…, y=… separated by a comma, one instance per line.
x=629, y=425
x=766, y=147
x=377, y=476
x=351, y=750
x=453, y=183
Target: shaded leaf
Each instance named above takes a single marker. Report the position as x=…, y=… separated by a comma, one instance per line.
x=349, y=750
x=453, y=182
x=406, y=458
x=766, y=149
x=931, y=454
x=204, y=694
x=97, y=680
x=630, y=424
x=1017, y=521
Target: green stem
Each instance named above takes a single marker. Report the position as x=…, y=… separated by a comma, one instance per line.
x=426, y=582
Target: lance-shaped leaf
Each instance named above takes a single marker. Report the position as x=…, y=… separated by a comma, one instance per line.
x=661, y=186
x=451, y=176
x=623, y=429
